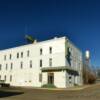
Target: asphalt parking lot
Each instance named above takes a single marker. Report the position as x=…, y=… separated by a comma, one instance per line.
x=92, y=92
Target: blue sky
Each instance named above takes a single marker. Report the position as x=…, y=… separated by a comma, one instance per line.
x=43, y=19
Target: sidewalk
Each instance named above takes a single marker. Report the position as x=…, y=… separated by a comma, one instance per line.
x=70, y=88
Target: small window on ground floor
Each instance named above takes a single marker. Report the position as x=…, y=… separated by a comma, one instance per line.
x=40, y=77
x=5, y=77
x=10, y=78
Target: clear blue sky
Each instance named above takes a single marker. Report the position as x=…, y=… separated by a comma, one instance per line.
x=44, y=19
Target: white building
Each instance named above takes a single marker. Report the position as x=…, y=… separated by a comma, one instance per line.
x=56, y=61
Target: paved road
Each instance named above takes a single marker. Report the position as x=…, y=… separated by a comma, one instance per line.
x=90, y=93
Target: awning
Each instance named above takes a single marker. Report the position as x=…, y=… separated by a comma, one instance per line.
x=60, y=68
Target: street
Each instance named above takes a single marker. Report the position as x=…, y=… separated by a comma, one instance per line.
x=92, y=92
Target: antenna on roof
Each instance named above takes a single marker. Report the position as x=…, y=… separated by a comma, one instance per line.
x=29, y=39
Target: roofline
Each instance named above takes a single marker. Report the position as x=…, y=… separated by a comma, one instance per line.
x=53, y=39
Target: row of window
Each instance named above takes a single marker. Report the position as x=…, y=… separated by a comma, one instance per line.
x=50, y=50
x=10, y=78
x=11, y=66
x=28, y=54
x=17, y=56
x=5, y=78
x=50, y=62
x=31, y=65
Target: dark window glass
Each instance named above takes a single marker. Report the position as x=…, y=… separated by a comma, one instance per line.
x=50, y=62
x=10, y=78
x=41, y=51
x=40, y=63
x=40, y=77
x=10, y=56
x=21, y=65
x=11, y=66
x=0, y=66
x=31, y=64
x=28, y=53
x=21, y=54
x=5, y=77
x=17, y=55
x=4, y=57
x=6, y=66
x=50, y=50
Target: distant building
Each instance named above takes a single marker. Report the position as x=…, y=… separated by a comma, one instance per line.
x=56, y=61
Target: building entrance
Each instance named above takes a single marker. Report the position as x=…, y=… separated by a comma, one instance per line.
x=50, y=78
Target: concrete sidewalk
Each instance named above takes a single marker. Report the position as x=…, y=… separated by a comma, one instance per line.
x=70, y=88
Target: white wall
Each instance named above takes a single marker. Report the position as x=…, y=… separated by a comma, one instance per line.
x=30, y=76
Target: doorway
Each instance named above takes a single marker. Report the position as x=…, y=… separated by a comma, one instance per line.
x=50, y=78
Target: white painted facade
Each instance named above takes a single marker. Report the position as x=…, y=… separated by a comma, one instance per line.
x=42, y=63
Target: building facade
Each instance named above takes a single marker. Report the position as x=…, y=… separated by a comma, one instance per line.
x=56, y=61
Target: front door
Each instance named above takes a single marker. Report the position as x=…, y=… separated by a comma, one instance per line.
x=50, y=78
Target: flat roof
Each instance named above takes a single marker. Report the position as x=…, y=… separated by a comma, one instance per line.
x=40, y=42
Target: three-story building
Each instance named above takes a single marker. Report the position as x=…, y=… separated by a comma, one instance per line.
x=57, y=61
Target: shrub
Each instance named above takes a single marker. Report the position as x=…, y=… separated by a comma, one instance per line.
x=48, y=86
x=92, y=78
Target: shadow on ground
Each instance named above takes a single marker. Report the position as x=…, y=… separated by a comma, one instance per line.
x=7, y=94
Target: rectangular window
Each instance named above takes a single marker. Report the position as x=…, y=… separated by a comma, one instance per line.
x=40, y=63
x=10, y=78
x=0, y=66
x=28, y=53
x=11, y=66
x=17, y=55
x=31, y=64
x=4, y=57
x=41, y=51
x=5, y=77
x=50, y=62
x=70, y=79
x=21, y=65
x=40, y=77
x=21, y=54
x=10, y=56
x=50, y=50
x=6, y=66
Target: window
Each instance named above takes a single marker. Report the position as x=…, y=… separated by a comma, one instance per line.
x=70, y=79
x=80, y=66
x=41, y=51
x=0, y=66
x=50, y=50
x=31, y=64
x=5, y=77
x=21, y=54
x=50, y=62
x=11, y=66
x=40, y=77
x=6, y=66
x=17, y=55
x=4, y=57
x=10, y=56
x=21, y=65
x=40, y=63
x=28, y=53
x=10, y=78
